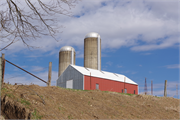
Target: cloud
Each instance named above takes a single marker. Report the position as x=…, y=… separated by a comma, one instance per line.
x=170, y=93
x=158, y=89
x=146, y=53
x=150, y=72
x=109, y=63
x=79, y=54
x=119, y=66
x=37, y=68
x=133, y=72
x=127, y=71
x=139, y=25
x=174, y=66
x=28, y=79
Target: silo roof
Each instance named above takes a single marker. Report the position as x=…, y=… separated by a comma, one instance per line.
x=91, y=34
x=67, y=48
x=103, y=74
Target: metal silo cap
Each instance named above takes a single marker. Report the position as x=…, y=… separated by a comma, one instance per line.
x=67, y=48
x=92, y=34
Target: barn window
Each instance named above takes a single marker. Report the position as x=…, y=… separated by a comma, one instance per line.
x=125, y=90
x=97, y=86
x=134, y=91
x=122, y=90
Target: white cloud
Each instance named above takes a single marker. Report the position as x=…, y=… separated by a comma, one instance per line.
x=158, y=89
x=28, y=79
x=173, y=66
x=119, y=66
x=133, y=72
x=109, y=63
x=79, y=54
x=140, y=25
x=37, y=68
x=146, y=53
x=170, y=93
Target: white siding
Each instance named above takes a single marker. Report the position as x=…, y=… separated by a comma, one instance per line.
x=71, y=74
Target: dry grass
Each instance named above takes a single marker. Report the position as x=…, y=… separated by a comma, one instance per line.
x=63, y=103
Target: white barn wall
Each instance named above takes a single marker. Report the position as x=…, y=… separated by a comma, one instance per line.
x=71, y=74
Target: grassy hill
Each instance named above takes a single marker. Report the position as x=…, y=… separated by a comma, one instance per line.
x=36, y=102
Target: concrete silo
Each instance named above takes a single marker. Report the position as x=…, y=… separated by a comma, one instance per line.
x=67, y=55
x=92, y=51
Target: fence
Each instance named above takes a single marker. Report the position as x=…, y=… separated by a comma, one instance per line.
x=2, y=71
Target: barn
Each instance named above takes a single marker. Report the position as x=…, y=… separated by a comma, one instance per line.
x=77, y=77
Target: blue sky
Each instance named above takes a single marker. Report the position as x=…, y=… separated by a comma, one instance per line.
x=139, y=39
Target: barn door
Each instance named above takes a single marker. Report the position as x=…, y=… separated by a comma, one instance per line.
x=69, y=84
x=97, y=86
x=125, y=90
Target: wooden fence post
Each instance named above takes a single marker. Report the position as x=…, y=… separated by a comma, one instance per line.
x=165, y=89
x=49, y=73
x=151, y=87
x=0, y=71
x=3, y=66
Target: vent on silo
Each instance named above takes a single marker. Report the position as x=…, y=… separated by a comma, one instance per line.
x=67, y=56
x=92, y=51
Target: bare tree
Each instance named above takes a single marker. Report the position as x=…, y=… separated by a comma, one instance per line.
x=27, y=20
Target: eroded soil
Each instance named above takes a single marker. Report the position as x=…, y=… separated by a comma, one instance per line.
x=37, y=102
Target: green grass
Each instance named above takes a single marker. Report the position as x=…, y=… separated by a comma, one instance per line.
x=61, y=108
x=4, y=89
x=127, y=94
x=157, y=97
x=72, y=89
x=123, y=105
x=91, y=90
x=36, y=115
x=120, y=93
x=41, y=96
x=25, y=102
x=70, y=117
x=106, y=91
x=10, y=95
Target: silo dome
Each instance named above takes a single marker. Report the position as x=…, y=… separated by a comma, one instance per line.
x=66, y=48
x=91, y=34
x=92, y=51
x=67, y=56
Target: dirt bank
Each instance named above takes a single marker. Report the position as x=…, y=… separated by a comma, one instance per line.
x=35, y=102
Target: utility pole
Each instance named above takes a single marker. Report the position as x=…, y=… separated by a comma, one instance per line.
x=145, y=87
x=49, y=74
x=165, y=89
x=151, y=87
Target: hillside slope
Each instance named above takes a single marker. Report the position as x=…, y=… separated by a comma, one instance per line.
x=33, y=101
